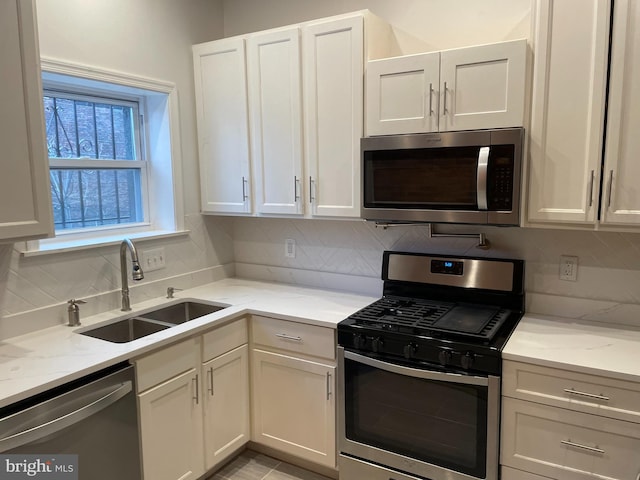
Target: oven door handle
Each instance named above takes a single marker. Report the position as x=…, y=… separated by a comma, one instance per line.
x=481, y=178
x=417, y=372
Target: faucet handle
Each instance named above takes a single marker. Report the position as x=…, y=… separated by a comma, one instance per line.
x=171, y=290
x=73, y=301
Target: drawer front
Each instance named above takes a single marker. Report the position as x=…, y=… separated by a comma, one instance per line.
x=507, y=473
x=224, y=339
x=294, y=337
x=166, y=363
x=558, y=443
x=576, y=391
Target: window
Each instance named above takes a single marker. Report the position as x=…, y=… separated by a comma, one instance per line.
x=114, y=155
x=97, y=167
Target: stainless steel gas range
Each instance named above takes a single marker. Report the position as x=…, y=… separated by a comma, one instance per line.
x=419, y=369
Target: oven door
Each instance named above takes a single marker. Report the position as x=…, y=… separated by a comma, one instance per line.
x=426, y=423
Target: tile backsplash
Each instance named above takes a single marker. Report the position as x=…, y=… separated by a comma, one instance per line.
x=608, y=265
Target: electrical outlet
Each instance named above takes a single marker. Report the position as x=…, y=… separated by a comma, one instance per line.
x=568, y=268
x=153, y=260
x=290, y=248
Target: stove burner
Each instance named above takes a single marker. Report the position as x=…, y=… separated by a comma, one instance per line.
x=424, y=317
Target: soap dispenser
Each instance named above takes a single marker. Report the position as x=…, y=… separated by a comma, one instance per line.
x=74, y=312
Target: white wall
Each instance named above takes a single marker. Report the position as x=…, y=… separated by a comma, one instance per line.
x=149, y=38
x=441, y=24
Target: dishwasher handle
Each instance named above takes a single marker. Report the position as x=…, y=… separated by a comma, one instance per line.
x=51, y=427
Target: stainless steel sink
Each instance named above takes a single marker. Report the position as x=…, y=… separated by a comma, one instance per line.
x=181, y=312
x=126, y=330
x=143, y=324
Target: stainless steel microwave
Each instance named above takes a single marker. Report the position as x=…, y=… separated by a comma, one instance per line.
x=455, y=177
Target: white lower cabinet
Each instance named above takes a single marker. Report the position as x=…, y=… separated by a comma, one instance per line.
x=194, y=415
x=171, y=429
x=541, y=438
x=226, y=405
x=293, y=400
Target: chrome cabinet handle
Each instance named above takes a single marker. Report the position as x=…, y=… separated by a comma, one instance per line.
x=585, y=394
x=244, y=189
x=296, y=181
x=583, y=447
x=284, y=336
x=610, y=188
x=196, y=397
x=210, y=388
x=591, y=188
x=311, y=182
x=430, y=99
x=481, y=178
x=444, y=106
x=329, y=392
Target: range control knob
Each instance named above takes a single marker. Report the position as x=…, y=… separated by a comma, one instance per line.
x=467, y=360
x=377, y=344
x=410, y=350
x=359, y=341
x=444, y=357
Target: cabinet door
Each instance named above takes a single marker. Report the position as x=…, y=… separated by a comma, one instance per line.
x=294, y=406
x=25, y=192
x=333, y=104
x=483, y=87
x=275, y=107
x=226, y=405
x=569, y=82
x=223, y=132
x=171, y=429
x=402, y=94
x=621, y=196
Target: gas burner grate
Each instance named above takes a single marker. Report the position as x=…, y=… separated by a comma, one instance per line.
x=418, y=317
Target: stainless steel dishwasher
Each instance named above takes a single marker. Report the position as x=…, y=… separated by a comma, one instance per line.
x=94, y=417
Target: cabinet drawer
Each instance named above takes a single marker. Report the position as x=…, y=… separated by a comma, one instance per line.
x=294, y=337
x=559, y=443
x=507, y=473
x=168, y=362
x=576, y=391
x=224, y=339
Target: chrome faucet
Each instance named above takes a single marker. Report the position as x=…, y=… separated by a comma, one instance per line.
x=136, y=270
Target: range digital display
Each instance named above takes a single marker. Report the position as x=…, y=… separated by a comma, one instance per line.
x=447, y=267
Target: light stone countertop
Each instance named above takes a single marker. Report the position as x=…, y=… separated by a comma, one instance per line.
x=603, y=349
x=36, y=362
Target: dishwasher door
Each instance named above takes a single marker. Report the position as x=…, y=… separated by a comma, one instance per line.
x=94, y=418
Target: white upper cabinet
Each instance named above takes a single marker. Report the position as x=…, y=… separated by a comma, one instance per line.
x=462, y=89
x=333, y=104
x=621, y=192
x=275, y=108
x=223, y=132
x=568, y=107
x=402, y=94
x=25, y=192
x=294, y=115
x=483, y=86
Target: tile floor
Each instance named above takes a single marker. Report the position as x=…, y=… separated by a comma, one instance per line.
x=250, y=465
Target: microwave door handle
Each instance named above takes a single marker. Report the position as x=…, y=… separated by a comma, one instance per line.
x=481, y=179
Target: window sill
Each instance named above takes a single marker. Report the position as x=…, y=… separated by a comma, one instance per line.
x=105, y=241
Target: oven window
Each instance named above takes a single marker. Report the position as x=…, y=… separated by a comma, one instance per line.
x=437, y=422
x=421, y=178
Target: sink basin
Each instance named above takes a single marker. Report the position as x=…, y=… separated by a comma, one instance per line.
x=181, y=312
x=141, y=325
x=126, y=330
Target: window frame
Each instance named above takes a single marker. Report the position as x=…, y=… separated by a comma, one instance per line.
x=86, y=163
x=159, y=109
